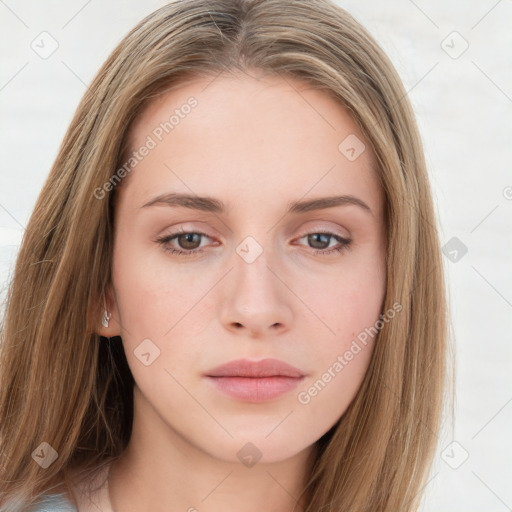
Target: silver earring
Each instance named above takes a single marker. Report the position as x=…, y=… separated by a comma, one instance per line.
x=106, y=315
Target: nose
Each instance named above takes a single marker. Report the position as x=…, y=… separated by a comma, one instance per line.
x=257, y=301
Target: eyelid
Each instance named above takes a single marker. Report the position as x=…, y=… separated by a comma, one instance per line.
x=182, y=231
x=326, y=229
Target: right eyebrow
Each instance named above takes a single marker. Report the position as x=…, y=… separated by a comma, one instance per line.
x=206, y=204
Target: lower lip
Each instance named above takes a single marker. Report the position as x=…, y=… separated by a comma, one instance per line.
x=260, y=389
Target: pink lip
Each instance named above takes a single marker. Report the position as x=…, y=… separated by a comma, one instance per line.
x=255, y=381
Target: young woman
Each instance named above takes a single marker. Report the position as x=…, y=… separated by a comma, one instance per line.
x=230, y=293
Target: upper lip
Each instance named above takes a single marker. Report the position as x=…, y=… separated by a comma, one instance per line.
x=262, y=368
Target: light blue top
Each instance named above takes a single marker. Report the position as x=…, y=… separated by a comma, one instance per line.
x=53, y=503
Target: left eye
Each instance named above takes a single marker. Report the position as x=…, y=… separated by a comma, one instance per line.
x=320, y=239
x=189, y=242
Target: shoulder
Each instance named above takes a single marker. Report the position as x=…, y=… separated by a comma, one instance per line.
x=89, y=489
x=53, y=503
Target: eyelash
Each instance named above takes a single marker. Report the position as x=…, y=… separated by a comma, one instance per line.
x=344, y=243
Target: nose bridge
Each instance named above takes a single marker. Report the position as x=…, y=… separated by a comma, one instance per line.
x=253, y=278
x=256, y=296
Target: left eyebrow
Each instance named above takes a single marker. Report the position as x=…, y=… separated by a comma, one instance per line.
x=327, y=202
x=210, y=204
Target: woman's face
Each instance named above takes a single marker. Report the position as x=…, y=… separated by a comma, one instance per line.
x=250, y=227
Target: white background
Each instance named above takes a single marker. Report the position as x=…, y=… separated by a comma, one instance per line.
x=464, y=107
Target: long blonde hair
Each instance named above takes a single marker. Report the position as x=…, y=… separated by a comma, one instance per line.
x=62, y=384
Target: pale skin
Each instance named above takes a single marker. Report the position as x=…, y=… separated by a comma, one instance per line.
x=257, y=144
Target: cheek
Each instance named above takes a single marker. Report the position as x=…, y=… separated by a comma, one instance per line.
x=348, y=307
x=349, y=317
x=340, y=363
x=348, y=301
x=165, y=304
x=154, y=304
x=151, y=295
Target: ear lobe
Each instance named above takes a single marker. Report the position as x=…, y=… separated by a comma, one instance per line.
x=108, y=323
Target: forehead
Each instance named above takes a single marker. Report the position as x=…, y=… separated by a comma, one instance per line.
x=270, y=136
